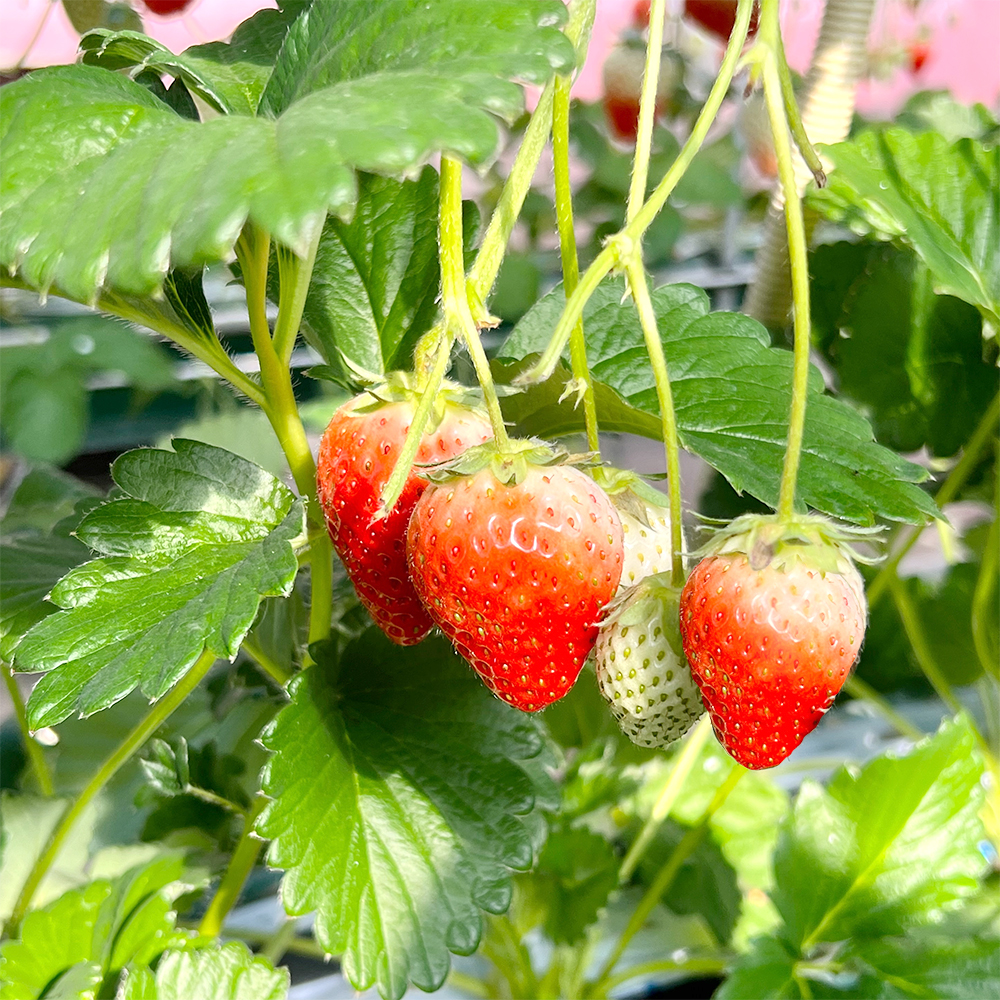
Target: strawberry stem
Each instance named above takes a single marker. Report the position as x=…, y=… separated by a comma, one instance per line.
x=668, y=418
x=455, y=295
x=396, y=482
x=770, y=40
x=491, y=252
x=124, y=752
x=665, y=877
x=294, y=274
x=31, y=746
x=672, y=788
x=253, y=250
x=619, y=247
x=647, y=111
x=241, y=863
x=567, y=252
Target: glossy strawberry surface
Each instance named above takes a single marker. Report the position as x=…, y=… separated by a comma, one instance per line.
x=517, y=576
x=356, y=457
x=770, y=647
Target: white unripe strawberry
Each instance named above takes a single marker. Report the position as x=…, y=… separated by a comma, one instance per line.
x=641, y=669
x=646, y=536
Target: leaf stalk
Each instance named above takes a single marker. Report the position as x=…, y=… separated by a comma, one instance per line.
x=568, y=254
x=155, y=718
x=668, y=418
x=35, y=754
x=240, y=865
x=769, y=41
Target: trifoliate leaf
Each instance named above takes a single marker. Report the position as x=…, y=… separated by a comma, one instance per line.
x=213, y=973
x=376, y=87
x=883, y=848
x=397, y=805
x=186, y=552
x=732, y=394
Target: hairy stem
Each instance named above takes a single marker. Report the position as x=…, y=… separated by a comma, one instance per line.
x=396, y=482
x=568, y=255
x=857, y=688
x=155, y=718
x=666, y=875
x=240, y=865
x=668, y=419
x=491, y=252
x=253, y=249
x=770, y=35
x=806, y=149
x=950, y=488
x=914, y=630
x=454, y=294
x=295, y=273
x=619, y=248
x=274, y=670
x=647, y=111
x=35, y=755
x=667, y=797
x=984, y=602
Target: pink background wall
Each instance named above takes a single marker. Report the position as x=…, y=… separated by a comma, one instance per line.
x=963, y=38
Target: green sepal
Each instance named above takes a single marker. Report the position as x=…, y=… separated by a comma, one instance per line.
x=770, y=541
x=628, y=491
x=400, y=387
x=636, y=606
x=509, y=467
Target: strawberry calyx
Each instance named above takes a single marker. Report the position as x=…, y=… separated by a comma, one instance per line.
x=509, y=466
x=628, y=491
x=634, y=606
x=400, y=387
x=770, y=542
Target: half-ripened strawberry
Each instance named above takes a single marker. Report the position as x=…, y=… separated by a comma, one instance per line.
x=515, y=561
x=772, y=621
x=356, y=457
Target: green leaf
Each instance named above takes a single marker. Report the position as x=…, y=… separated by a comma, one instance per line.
x=705, y=882
x=106, y=924
x=885, y=847
x=228, y=77
x=732, y=394
x=145, y=188
x=43, y=498
x=940, y=198
x=945, y=609
x=398, y=807
x=186, y=552
x=375, y=281
x=468, y=44
x=912, y=359
x=766, y=972
x=943, y=967
x=575, y=874
x=213, y=973
x=31, y=563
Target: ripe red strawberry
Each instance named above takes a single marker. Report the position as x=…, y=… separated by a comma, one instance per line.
x=919, y=51
x=164, y=8
x=772, y=621
x=356, y=457
x=623, y=70
x=515, y=563
x=718, y=16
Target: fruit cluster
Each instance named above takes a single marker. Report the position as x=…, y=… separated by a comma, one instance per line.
x=528, y=564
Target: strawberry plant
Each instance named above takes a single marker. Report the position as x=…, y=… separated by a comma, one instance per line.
x=474, y=703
